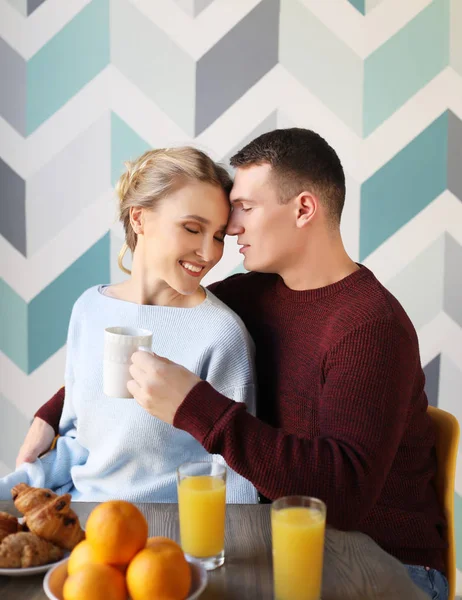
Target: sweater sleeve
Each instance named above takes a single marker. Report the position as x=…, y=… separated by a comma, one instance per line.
x=362, y=414
x=51, y=411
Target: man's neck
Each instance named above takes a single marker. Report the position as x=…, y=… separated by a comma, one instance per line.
x=324, y=261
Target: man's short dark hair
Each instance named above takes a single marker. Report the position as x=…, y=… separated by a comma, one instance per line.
x=300, y=160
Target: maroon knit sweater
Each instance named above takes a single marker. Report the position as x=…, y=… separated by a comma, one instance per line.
x=341, y=409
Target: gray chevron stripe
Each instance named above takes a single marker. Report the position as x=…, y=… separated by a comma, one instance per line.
x=13, y=207
x=236, y=63
x=13, y=96
x=455, y=155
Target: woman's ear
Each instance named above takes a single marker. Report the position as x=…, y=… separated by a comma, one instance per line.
x=136, y=219
x=306, y=207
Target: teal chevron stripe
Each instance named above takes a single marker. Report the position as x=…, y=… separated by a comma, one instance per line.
x=405, y=63
x=13, y=325
x=359, y=5
x=125, y=145
x=29, y=334
x=49, y=311
x=404, y=186
x=67, y=62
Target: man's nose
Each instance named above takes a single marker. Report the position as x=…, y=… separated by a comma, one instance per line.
x=234, y=227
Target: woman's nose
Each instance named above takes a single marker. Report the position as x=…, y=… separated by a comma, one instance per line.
x=207, y=250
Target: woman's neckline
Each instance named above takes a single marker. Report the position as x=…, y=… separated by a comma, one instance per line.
x=103, y=289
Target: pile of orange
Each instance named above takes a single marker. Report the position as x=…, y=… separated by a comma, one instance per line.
x=117, y=558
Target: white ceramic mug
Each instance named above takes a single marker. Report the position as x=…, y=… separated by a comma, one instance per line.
x=119, y=345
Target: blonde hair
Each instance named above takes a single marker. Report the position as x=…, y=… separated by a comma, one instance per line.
x=155, y=175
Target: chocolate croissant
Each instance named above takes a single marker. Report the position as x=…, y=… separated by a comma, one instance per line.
x=24, y=549
x=26, y=497
x=8, y=525
x=51, y=518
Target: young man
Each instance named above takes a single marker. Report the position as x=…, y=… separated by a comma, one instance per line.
x=342, y=408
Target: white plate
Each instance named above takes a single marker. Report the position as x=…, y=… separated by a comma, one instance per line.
x=55, y=578
x=30, y=570
x=19, y=572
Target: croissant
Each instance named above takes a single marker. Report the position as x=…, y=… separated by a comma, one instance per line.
x=51, y=518
x=26, y=498
x=23, y=549
x=8, y=524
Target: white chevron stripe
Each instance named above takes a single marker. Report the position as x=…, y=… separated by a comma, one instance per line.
x=441, y=215
x=364, y=34
x=277, y=90
x=28, y=34
x=29, y=276
x=458, y=572
x=441, y=335
x=31, y=391
x=196, y=36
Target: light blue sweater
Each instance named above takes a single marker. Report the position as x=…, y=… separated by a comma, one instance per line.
x=111, y=447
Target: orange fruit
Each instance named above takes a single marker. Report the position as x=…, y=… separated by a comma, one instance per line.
x=159, y=571
x=154, y=541
x=80, y=556
x=95, y=582
x=83, y=554
x=116, y=531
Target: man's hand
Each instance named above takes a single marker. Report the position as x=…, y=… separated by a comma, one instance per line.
x=38, y=440
x=159, y=385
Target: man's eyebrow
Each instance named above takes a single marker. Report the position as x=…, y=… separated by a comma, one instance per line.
x=201, y=220
x=236, y=200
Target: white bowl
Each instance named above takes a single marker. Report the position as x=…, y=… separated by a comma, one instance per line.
x=56, y=576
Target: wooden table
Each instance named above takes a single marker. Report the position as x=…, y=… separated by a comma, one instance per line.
x=355, y=567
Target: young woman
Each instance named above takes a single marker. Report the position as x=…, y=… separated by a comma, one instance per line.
x=174, y=207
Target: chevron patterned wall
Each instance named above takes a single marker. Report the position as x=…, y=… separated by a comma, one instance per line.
x=87, y=84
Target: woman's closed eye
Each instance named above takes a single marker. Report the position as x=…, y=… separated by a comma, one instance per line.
x=191, y=230
x=219, y=237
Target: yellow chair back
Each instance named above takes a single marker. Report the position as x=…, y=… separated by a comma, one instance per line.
x=447, y=440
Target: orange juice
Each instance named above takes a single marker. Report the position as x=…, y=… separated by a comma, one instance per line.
x=202, y=501
x=298, y=547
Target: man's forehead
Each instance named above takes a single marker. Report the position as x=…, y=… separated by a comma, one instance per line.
x=248, y=180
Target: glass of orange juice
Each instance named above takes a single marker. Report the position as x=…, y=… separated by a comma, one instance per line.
x=298, y=524
x=202, y=505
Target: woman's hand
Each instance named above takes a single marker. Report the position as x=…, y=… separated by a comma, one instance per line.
x=38, y=440
x=159, y=385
